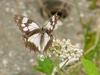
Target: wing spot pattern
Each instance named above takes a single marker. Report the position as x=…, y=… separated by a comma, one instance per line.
x=23, y=25
x=24, y=20
x=53, y=18
x=32, y=26
x=25, y=29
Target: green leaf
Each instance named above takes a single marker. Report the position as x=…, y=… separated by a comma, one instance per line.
x=93, y=4
x=89, y=35
x=97, y=48
x=89, y=67
x=90, y=39
x=46, y=66
x=94, y=52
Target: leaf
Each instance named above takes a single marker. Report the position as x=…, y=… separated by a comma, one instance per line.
x=89, y=67
x=93, y=5
x=94, y=52
x=97, y=48
x=46, y=66
x=90, y=39
x=89, y=35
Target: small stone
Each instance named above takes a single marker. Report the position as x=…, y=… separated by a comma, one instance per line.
x=5, y=62
x=31, y=60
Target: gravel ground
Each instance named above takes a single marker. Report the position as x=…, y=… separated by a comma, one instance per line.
x=14, y=58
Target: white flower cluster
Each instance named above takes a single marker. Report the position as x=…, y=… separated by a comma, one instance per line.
x=66, y=52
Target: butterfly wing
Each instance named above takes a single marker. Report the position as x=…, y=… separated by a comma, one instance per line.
x=35, y=42
x=52, y=23
x=25, y=24
x=48, y=38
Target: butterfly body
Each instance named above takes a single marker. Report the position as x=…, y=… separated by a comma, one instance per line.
x=36, y=38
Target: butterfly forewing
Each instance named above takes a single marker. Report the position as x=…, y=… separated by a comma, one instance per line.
x=52, y=23
x=25, y=24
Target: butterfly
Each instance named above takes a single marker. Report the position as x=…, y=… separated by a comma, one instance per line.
x=36, y=38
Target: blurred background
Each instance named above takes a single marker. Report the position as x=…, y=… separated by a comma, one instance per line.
x=16, y=60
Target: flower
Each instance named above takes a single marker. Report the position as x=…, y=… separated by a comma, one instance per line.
x=65, y=51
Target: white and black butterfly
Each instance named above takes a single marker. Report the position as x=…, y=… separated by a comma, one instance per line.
x=36, y=38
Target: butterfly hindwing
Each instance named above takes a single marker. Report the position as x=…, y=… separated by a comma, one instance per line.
x=35, y=39
x=47, y=41
x=40, y=45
